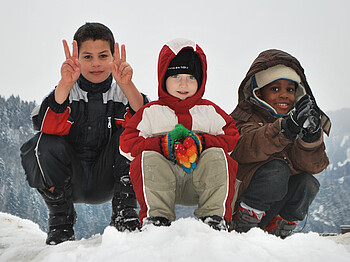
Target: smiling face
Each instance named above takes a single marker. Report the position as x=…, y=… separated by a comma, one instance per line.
x=279, y=94
x=181, y=86
x=94, y=57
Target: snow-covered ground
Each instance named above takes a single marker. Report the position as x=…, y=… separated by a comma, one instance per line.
x=185, y=240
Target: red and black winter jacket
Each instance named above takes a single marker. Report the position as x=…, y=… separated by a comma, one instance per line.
x=89, y=116
x=144, y=131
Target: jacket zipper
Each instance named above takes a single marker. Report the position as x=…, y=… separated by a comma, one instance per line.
x=109, y=126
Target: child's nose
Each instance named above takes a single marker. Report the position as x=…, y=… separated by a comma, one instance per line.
x=184, y=81
x=96, y=62
x=284, y=94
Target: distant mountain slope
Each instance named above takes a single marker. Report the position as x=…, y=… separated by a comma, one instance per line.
x=331, y=208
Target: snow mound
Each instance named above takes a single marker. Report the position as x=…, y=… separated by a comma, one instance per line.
x=185, y=240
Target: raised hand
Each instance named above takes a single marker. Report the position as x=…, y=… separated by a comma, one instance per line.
x=311, y=130
x=302, y=109
x=121, y=70
x=293, y=123
x=70, y=70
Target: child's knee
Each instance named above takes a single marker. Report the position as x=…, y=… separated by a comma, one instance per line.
x=307, y=183
x=211, y=170
x=157, y=172
x=275, y=173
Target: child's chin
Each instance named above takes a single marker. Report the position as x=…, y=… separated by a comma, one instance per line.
x=184, y=98
x=96, y=79
x=282, y=112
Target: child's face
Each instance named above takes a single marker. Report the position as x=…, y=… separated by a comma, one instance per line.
x=94, y=57
x=279, y=94
x=181, y=86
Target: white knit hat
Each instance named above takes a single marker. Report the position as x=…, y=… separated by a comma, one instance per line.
x=274, y=73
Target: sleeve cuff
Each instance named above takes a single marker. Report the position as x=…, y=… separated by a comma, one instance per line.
x=310, y=145
x=56, y=107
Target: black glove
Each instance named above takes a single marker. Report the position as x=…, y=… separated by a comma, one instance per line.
x=294, y=121
x=311, y=130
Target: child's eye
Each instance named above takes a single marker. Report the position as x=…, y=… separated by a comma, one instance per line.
x=274, y=88
x=291, y=89
x=87, y=56
x=175, y=76
x=192, y=77
x=103, y=56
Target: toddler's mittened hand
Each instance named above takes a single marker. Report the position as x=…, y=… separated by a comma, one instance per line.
x=183, y=147
x=179, y=132
x=198, y=140
x=167, y=147
x=187, y=153
x=169, y=140
x=181, y=157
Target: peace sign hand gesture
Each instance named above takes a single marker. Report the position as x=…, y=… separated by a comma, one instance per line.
x=121, y=70
x=70, y=70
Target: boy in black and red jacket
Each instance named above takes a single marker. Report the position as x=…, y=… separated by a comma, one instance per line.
x=75, y=157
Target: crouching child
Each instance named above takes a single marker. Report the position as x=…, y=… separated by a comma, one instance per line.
x=280, y=146
x=75, y=157
x=180, y=144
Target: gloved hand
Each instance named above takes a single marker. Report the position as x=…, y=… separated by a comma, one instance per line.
x=199, y=141
x=311, y=130
x=168, y=141
x=188, y=152
x=183, y=147
x=294, y=121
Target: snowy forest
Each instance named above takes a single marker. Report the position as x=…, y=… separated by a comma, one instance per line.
x=327, y=213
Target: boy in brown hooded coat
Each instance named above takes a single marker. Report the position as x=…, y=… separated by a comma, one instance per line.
x=280, y=147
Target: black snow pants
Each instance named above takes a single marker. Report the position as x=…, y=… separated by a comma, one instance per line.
x=274, y=191
x=49, y=161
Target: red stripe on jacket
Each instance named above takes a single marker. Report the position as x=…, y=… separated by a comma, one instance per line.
x=56, y=123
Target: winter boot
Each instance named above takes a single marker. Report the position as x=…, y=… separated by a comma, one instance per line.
x=280, y=227
x=156, y=221
x=62, y=215
x=124, y=205
x=244, y=219
x=215, y=222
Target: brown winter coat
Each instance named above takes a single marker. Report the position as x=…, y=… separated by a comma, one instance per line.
x=260, y=140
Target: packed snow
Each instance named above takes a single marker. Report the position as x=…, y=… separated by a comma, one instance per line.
x=186, y=239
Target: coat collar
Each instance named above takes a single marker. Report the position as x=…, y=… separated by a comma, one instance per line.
x=90, y=87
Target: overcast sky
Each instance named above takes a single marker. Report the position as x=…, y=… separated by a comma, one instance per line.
x=231, y=33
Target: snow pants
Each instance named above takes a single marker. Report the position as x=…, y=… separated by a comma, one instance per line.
x=49, y=161
x=160, y=184
x=274, y=191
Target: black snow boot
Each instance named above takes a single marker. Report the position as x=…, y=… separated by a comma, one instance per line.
x=62, y=215
x=156, y=221
x=124, y=206
x=215, y=222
